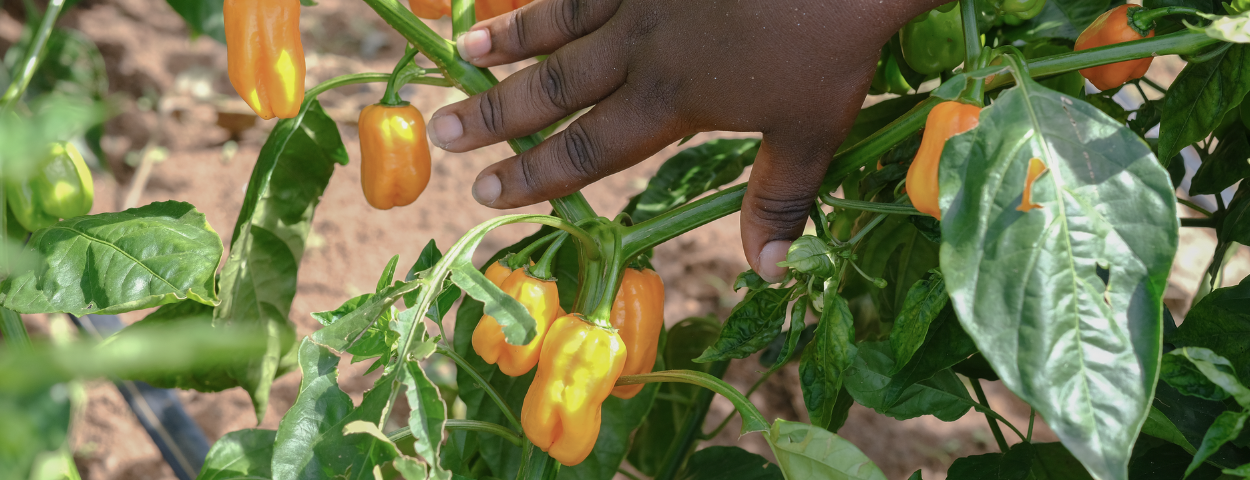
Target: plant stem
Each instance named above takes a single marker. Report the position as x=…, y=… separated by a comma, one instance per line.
x=878, y=207
x=477, y=377
x=30, y=64
x=1195, y=207
x=1199, y=223
x=599, y=277
x=463, y=16
x=469, y=79
x=13, y=329
x=671, y=224
x=391, y=98
x=752, y=420
x=1179, y=43
x=466, y=425
x=972, y=36
x=1143, y=20
x=1032, y=416
x=998, y=433
x=522, y=258
x=867, y=151
x=692, y=428
x=537, y=465
x=543, y=268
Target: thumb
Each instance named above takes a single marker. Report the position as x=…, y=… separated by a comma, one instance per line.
x=784, y=183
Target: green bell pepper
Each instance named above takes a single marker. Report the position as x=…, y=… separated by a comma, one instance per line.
x=59, y=187
x=933, y=42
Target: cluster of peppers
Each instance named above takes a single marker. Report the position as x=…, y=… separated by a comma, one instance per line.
x=58, y=187
x=266, y=67
x=578, y=362
x=1118, y=25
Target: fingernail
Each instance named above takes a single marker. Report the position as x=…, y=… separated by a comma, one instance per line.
x=473, y=45
x=445, y=129
x=486, y=190
x=772, y=254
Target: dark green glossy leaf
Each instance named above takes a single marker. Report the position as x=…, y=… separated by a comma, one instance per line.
x=786, y=346
x=810, y=255
x=1201, y=96
x=239, y=455
x=824, y=361
x=259, y=279
x=720, y=463
x=976, y=467
x=1225, y=167
x=429, y=256
x=1053, y=461
x=204, y=17
x=1201, y=373
x=750, y=280
x=1193, y=417
x=1225, y=429
x=1220, y=322
x=353, y=321
x=1033, y=461
x=119, y=262
x=1160, y=426
x=897, y=252
x=943, y=395
x=806, y=451
x=1200, y=5
x=310, y=443
x=1236, y=226
x=692, y=172
x=518, y=326
x=1026, y=285
x=945, y=346
x=924, y=301
x=752, y=324
x=1157, y=459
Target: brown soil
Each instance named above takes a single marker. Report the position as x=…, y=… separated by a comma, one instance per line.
x=173, y=92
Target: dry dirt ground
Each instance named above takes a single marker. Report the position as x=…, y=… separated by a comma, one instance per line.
x=173, y=93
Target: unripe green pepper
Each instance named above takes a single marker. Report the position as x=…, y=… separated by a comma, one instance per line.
x=933, y=42
x=59, y=187
x=1017, y=6
x=1017, y=18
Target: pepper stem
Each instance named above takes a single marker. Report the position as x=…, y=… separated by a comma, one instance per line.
x=1142, y=20
x=522, y=258
x=543, y=269
x=391, y=98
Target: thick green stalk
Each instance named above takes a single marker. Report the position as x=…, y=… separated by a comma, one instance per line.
x=537, y=465
x=463, y=16
x=28, y=66
x=1179, y=43
x=693, y=427
x=972, y=36
x=391, y=97
x=872, y=148
x=543, y=269
x=599, y=278
x=470, y=79
x=676, y=222
x=466, y=425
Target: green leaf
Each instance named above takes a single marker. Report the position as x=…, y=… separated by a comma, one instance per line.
x=177, y=318
x=1059, y=19
x=204, y=17
x=751, y=326
x=259, y=279
x=519, y=328
x=388, y=273
x=1225, y=167
x=1225, y=429
x=34, y=423
x=821, y=370
x=1034, y=461
x=750, y=280
x=943, y=395
x=1200, y=372
x=924, y=301
x=119, y=262
x=876, y=117
x=1220, y=322
x=692, y=172
x=1236, y=225
x=1154, y=458
x=1160, y=426
x=805, y=451
x=810, y=255
x=1193, y=417
x=1026, y=285
x=779, y=352
x=976, y=467
x=1200, y=97
x=720, y=463
x=353, y=320
x=1230, y=28
x=899, y=253
x=945, y=346
x=1053, y=461
x=310, y=443
x=427, y=417
x=429, y=256
x=239, y=455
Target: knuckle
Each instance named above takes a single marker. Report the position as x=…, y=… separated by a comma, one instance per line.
x=491, y=109
x=571, y=19
x=580, y=152
x=782, y=211
x=520, y=32
x=553, y=83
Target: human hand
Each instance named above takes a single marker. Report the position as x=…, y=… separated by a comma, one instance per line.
x=657, y=70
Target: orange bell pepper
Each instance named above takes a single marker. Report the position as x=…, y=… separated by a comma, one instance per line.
x=265, y=55
x=579, y=365
x=1109, y=29
x=483, y=9
x=946, y=120
x=638, y=316
x=542, y=300
x=394, y=155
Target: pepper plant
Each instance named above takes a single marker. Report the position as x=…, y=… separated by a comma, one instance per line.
x=1059, y=225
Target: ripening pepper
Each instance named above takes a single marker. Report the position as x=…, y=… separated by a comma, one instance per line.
x=542, y=300
x=394, y=155
x=483, y=9
x=579, y=365
x=933, y=42
x=638, y=316
x=1113, y=28
x=1018, y=6
x=59, y=187
x=1018, y=18
x=265, y=55
x=945, y=121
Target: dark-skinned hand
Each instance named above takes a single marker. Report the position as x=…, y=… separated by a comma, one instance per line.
x=658, y=70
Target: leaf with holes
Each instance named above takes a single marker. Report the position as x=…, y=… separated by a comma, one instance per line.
x=1065, y=300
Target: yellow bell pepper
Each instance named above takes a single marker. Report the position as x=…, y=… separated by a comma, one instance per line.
x=265, y=55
